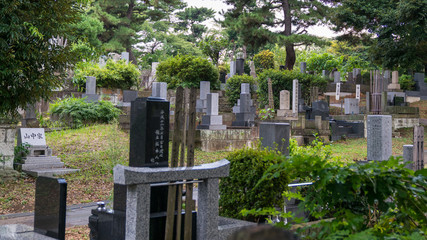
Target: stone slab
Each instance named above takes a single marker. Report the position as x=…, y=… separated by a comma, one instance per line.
x=379, y=129
x=32, y=136
x=20, y=232
x=50, y=172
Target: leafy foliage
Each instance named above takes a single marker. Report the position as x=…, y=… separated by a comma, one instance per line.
x=114, y=75
x=31, y=58
x=188, y=71
x=233, y=87
x=212, y=46
x=191, y=18
x=264, y=60
x=377, y=200
x=78, y=112
x=406, y=82
x=240, y=190
x=282, y=80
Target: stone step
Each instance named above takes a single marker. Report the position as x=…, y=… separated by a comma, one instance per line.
x=50, y=172
x=45, y=158
x=41, y=161
x=38, y=166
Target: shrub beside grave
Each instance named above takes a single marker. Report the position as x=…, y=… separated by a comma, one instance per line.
x=187, y=71
x=114, y=75
x=264, y=60
x=240, y=190
x=76, y=112
x=282, y=80
x=233, y=85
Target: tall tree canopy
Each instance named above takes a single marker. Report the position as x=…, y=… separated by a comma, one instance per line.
x=123, y=20
x=399, y=29
x=253, y=21
x=191, y=19
x=31, y=57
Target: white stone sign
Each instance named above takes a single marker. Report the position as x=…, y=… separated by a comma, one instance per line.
x=337, y=92
x=358, y=91
x=32, y=136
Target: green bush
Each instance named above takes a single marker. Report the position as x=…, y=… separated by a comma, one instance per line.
x=233, y=87
x=264, y=60
x=114, y=75
x=376, y=200
x=187, y=71
x=406, y=82
x=282, y=80
x=77, y=112
x=239, y=190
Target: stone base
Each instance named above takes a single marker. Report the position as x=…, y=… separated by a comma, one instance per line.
x=50, y=172
x=21, y=232
x=43, y=166
x=212, y=127
x=394, y=87
x=91, y=97
x=284, y=113
x=227, y=140
x=212, y=120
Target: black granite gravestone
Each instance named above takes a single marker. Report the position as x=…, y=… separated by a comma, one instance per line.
x=343, y=129
x=318, y=108
x=50, y=207
x=240, y=66
x=149, y=147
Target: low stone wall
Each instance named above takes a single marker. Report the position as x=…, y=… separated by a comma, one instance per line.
x=229, y=139
x=7, y=144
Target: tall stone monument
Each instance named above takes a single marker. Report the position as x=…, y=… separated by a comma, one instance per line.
x=379, y=137
x=212, y=120
x=201, y=103
x=295, y=97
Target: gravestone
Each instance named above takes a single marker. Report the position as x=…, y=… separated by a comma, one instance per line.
x=318, y=108
x=252, y=67
x=387, y=78
x=39, y=160
x=129, y=95
x=212, y=120
x=149, y=147
x=90, y=94
x=343, y=129
x=102, y=62
x=303, y=67
x=244, y=110
x=394, y=85
x=284, y=110
x=351, y=106
x=232, y=68
x=368, y=102
x=295, y=96
x=159, y=90
x=337, y=77
x=350, y=78
x=418, y=151
x=270, y=94
x=408, y=156
x=274, y=135
x=420, y=85
x=324, y=73
x=152, y=77
x=396, y=98
x=30, y=119
x=379, y=128
x=125, y=56
x=240, y=67
x=50, y=207
x=201, y=103
x=337, y=91
x=357, y=75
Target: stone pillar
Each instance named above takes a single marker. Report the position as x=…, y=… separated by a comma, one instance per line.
x=90, y=94
x=7, y=145
x=379, y=137
x=232, y=68
x=160, y=90
x=303, y=67
x=207, y=215
x=408, y=156
x=137, y=209
x=368, y=102
x=295, y=97
x=337, y=77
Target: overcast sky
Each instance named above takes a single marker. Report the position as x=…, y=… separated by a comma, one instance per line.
x=219, y=5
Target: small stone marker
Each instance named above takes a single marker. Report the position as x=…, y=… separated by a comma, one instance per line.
x=90, y=94
x=303, y=67
x=274, y=135
x=270, y=94
x=125, y=56
x=232, y=68
x=160, y=90
x=379, y=137
x=408, y=156
x=337, y=91
x=295, y=87
x=337, y=77
x=394, y=81
x=418, y=152
x=351, y=106
x=50, y=207
x=252, y=67
x=357, y=75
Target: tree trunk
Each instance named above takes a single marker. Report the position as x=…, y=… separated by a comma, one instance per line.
x=290, y=52
x=128, y=41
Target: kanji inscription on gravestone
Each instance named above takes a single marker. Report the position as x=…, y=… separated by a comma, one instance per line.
x=32, y=136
